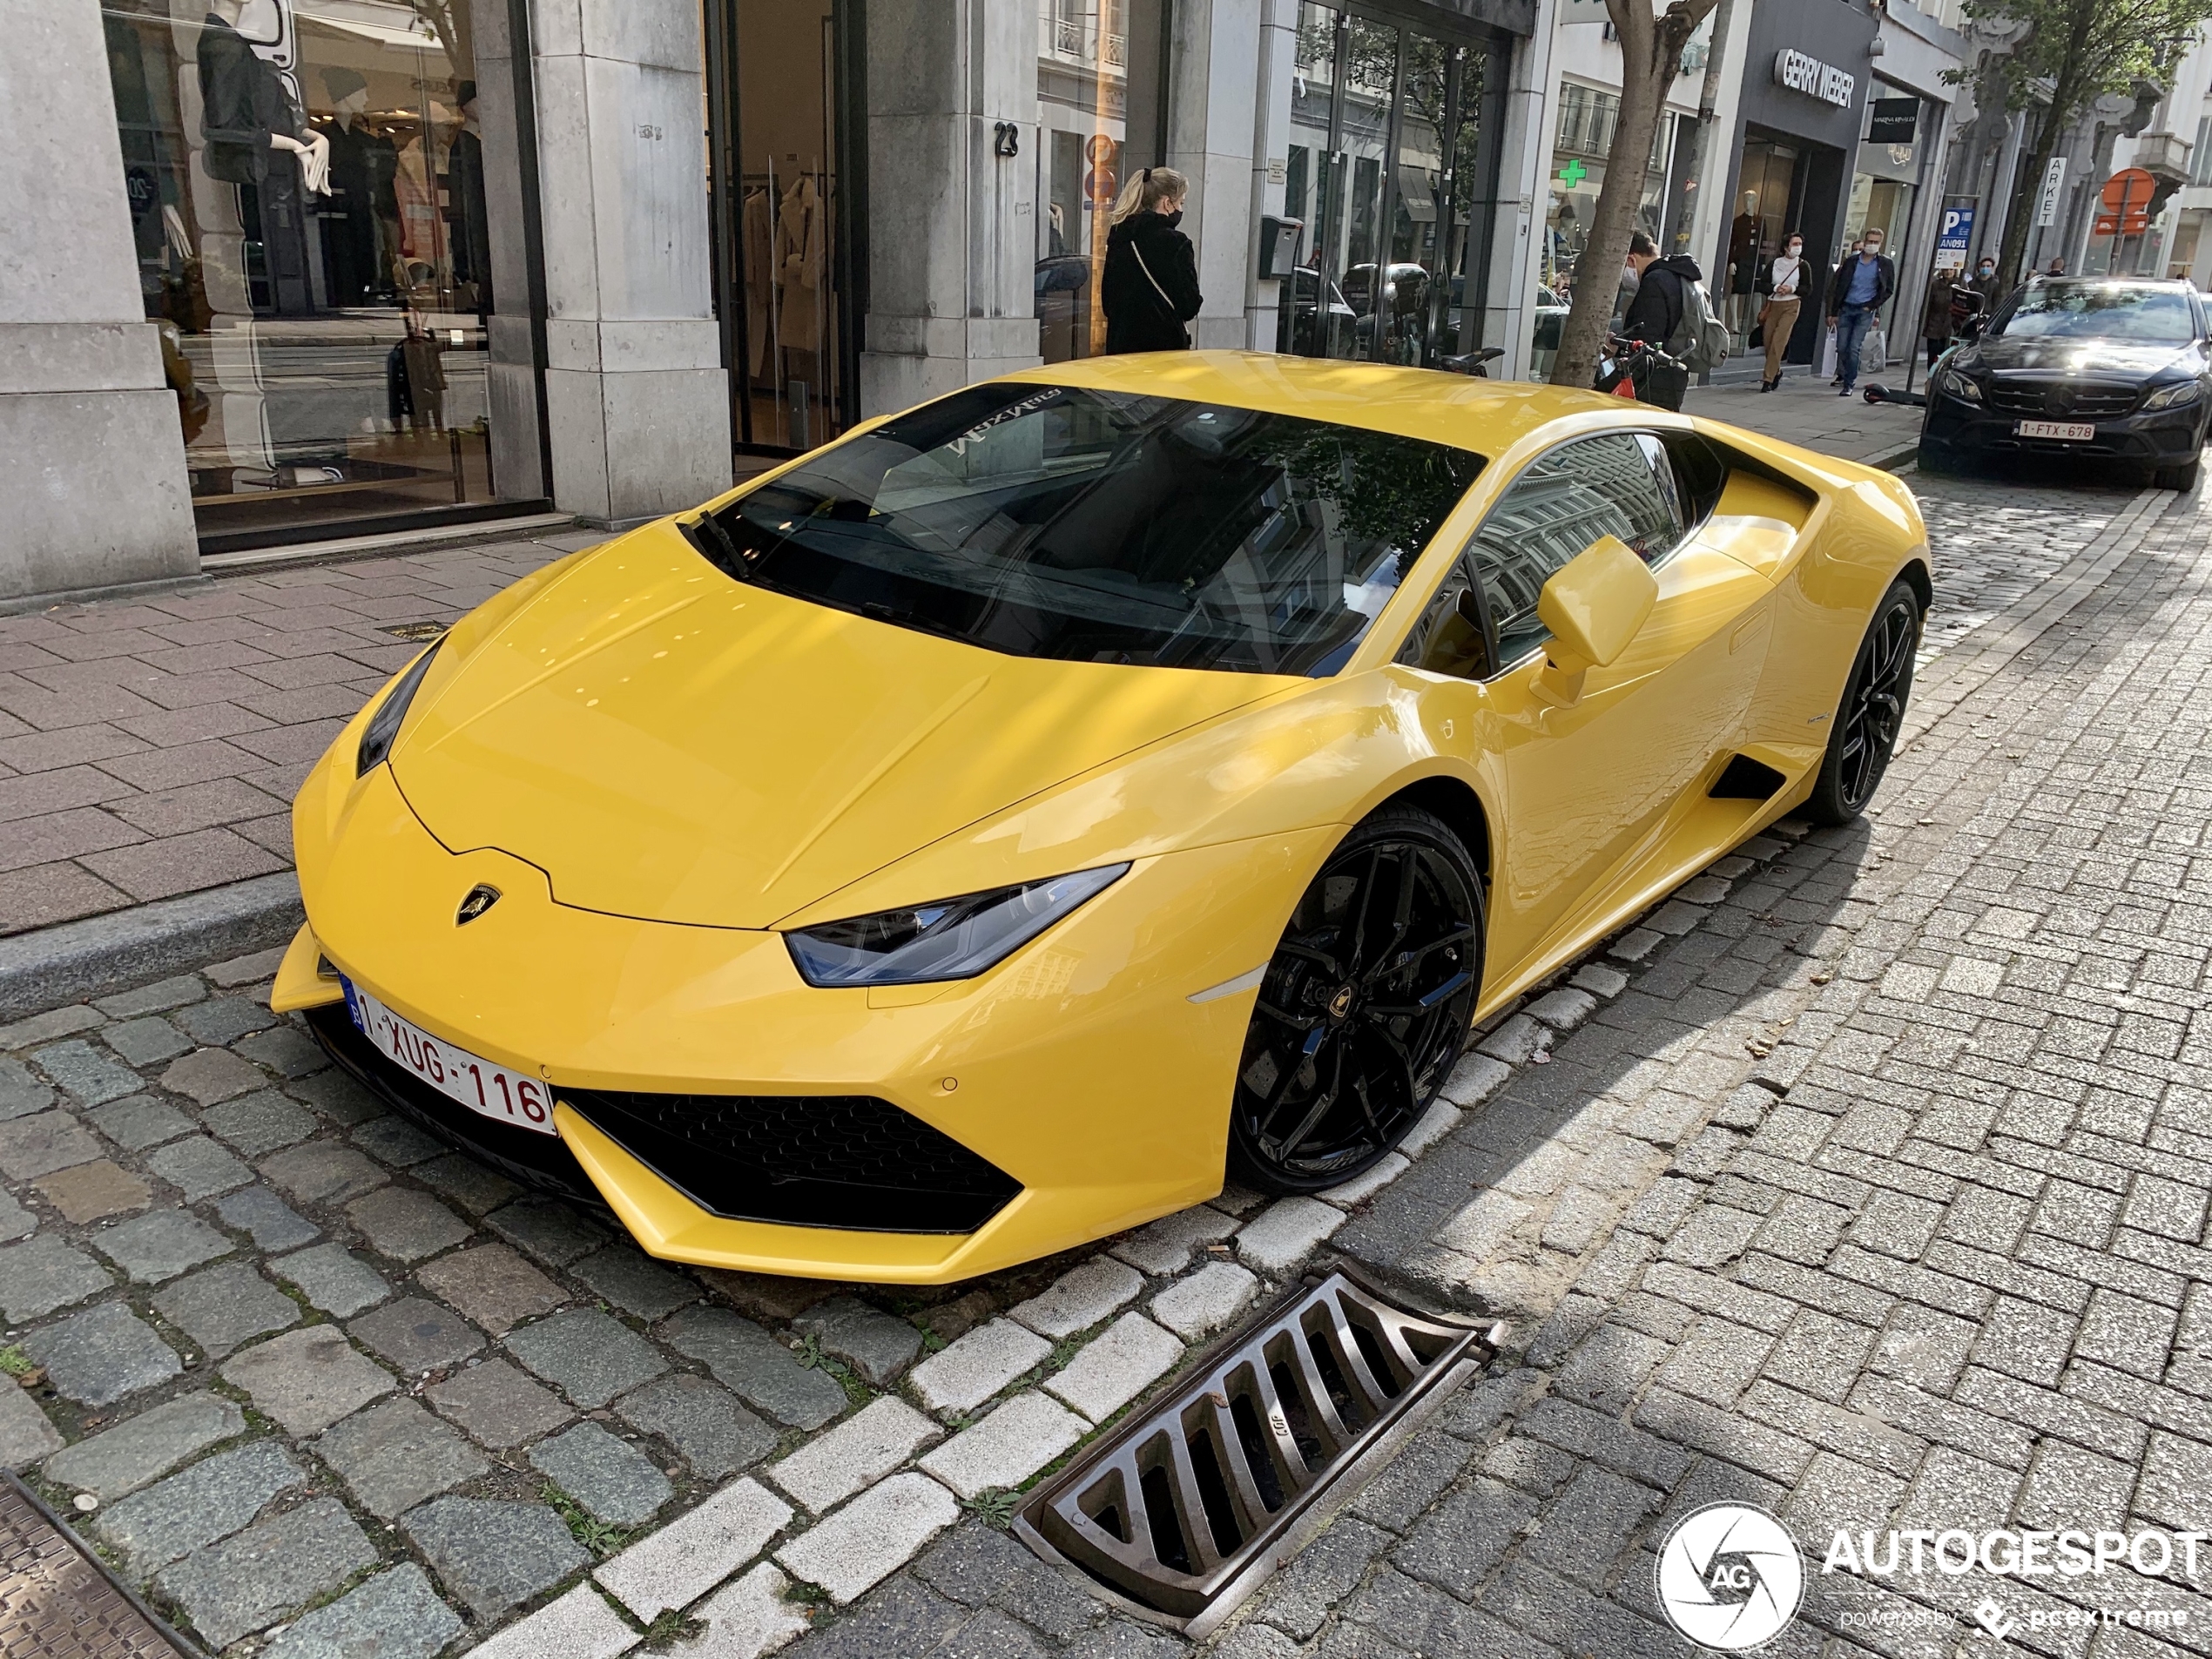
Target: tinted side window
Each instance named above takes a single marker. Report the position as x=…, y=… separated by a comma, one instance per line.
x=1594, y=487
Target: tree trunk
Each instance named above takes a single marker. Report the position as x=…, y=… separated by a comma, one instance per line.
x=2065, y=92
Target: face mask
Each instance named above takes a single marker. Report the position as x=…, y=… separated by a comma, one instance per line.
x=1987, y=267
x=1172, y=220
x=1795, y=248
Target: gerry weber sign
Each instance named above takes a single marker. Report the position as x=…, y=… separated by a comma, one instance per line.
x=1814, y=79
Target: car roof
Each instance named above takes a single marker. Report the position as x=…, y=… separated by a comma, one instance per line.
x=1484, y=415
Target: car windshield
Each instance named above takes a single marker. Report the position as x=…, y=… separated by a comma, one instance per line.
x=1088, y=526
x=2099, y=310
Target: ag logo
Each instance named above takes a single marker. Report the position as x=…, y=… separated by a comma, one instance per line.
x=482, y=897
x=1730, y=1576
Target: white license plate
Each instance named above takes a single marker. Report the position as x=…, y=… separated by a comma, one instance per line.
x=2070, y=431
x=481, y=1085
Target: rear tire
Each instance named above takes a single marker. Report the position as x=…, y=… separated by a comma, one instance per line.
x=1864, y=733
x=2182, y=478
x=1364, y=1008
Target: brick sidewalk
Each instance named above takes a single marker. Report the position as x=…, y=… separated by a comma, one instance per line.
x=152, y=747
x=1804, y=410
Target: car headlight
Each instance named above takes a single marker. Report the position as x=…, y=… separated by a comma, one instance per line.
x=2172, y=396
x=384, y=726
x=950, y=939
x=1959, y=386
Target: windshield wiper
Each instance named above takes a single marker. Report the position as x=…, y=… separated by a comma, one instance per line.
x=713, y=545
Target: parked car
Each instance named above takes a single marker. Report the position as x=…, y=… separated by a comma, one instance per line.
x=2114, y=368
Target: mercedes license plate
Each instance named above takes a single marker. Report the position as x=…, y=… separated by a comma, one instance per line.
x=2067, y=431
x=483, y=1086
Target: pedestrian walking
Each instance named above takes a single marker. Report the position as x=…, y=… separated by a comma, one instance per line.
x=1984, y=283
x=1935, y=320
x=1149, y=288
x=1783, y=284
x=1860, y=287
x=2057, y=267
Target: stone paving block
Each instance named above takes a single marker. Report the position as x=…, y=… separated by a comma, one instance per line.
x=198, y=1167
x=492, y=1284
x=336, y=1097
x=396, y=1142
x=1634, y=945
x=118, y=1460
x=1115, y=1366
x=1007, y=1447
x=43, y=1143
x=209, y=1075
x=964, y=1375
x=394, y=1455
x=1475, y=1078
x=405, y=1224
x=147, y=1041
x=758, y=1368
x=333, y=1278
x=746, y=1617
x=161, y=1246
x=1281, y=1236
x=704, y=1422
x=588, y=1356
x=25, y=1435
x=1209, y=1300
x=244, y=970
x=493, y=1555
x=224, y=1020
x=417, y=1335
x=172, y=993
x=859, y=1546
x=226, y=1306
x=20, y=1094
x=393, y=1616
x=1600, y=980
x=16, y=1222
x=1435, y=1123
x=498, y=1405
x=237, y=1586
x=769, y=1296
x=607, y=1474
x=1563, y=1009
x=1165, y=1246
x=1361, y=1187
x=102, y=1355
x=1515, y=1042
x=285, y=1051
x=475, y=1187
x=674, y=1567
x=834, y=1465
x=1085, y=1295
x=307, y=1379
x=632, y=1281
x=84, y=1073
x=260, y=1122
x=874, y=1344
x=139, y=1121
x=554, y=1233
x=207, y=1503
x=323, y=1172
x=45, y=1274
x=41, y=1028
x=271, y=1223
x=578, y=1625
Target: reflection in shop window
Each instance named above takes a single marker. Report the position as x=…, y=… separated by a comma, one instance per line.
x=1588, y=116
x=1087, y=52
x=314, y=220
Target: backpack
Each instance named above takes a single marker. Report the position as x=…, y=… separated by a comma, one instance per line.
x=1702, y=341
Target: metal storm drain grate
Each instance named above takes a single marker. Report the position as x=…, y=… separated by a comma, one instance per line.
x=1188, y=1507
x=57, y=1602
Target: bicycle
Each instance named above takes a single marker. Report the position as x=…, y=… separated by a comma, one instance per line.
x=1638, y=369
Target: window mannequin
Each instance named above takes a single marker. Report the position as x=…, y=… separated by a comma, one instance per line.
x=257, y=140
x=468, y=216
x=361, y=225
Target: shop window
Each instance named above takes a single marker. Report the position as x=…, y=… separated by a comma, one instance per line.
x=1582, y=141
x=315, y=219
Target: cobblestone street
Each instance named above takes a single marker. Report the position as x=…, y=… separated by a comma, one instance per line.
x=1864, y=1179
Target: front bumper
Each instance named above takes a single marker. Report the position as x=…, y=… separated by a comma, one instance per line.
x=1078, y=1069
x=2156, y=438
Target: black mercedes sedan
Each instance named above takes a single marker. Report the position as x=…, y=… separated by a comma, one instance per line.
x=2114, y=369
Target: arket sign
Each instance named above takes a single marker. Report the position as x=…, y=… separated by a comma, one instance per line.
x=1814, y=79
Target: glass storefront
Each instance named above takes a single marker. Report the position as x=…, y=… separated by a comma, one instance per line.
x=1588, y=116
x=314, y=221
x=1391, y=164
x=1893, y=140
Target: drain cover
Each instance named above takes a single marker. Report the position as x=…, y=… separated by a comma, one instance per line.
x=57, y=1602
x=1189, y=1506
x=416, y=632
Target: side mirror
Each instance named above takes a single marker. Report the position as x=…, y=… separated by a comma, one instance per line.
x=1594, y=605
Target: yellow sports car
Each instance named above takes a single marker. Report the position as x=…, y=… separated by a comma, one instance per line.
x=990, y=831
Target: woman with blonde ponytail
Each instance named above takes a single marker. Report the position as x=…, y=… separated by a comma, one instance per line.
x=1150, y=285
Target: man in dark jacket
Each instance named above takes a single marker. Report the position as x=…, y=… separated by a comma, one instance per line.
x=1654, y=315
x=1149, y=287
x=1860, y=287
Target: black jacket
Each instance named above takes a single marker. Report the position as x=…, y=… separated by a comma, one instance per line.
x=1147, y=313
x=1839, y=282
x=1656, y=312
x=241, y=103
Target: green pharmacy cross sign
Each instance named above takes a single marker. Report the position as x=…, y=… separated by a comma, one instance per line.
x=1574, y=172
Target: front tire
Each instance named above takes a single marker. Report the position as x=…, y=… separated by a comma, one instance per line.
x=1938, y=462
x=1364, y=1008
x=1872, y=712
x=2182, y=478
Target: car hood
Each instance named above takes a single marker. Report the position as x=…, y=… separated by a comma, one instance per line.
x=670, y=745
x=2125, y=359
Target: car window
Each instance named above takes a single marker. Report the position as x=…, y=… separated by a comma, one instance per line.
x=1089, y=526
x=1566, y=500
x=1450, y=637
x=2099, y=310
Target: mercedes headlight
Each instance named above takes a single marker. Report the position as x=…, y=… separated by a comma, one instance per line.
x=2172, y=396
x=383, y=727
x=947, y=940
x=1958, y=386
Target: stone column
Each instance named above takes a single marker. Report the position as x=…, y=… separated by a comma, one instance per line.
x=1278, y=53
x=92, y=490
x=637, y=398
x=1524, y=165
x=1214, y=70
x=952, y=226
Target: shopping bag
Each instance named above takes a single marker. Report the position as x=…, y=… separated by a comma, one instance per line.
x=1874, y=350
x=1828, y=355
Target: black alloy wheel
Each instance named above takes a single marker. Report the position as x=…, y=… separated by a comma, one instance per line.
x=1364, y=1008
x=1872, y=713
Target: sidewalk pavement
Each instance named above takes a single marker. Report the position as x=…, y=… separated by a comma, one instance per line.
x=1806, y=410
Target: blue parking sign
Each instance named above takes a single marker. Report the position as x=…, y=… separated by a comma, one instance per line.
x=1958, y=231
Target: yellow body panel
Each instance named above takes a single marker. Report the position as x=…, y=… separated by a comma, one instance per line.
x=657, y=767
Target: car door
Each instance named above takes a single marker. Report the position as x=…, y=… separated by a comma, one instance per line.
x=1588, y=787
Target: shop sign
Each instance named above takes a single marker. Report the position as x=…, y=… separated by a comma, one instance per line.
x=1893, y=120
x=1958, y=230
x=2047, y=209
x=1814, y=79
